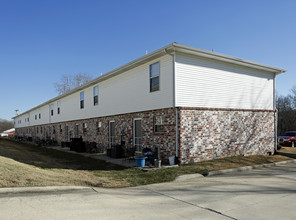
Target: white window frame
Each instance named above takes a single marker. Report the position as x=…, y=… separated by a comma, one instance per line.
x=161, y=124
x=58, y=107
x=154, y=77
x=82, y=100
x=51, y=109
x=96, y=96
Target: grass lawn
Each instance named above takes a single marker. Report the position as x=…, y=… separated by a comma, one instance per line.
x=29, y=165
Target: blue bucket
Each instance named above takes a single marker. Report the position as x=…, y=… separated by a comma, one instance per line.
x=140, y=161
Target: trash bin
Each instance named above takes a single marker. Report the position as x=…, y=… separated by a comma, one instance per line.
x=172, y=160
x=140, y=161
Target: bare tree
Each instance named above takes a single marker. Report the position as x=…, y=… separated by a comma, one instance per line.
x=286, y=106
x=5, y=125
x=69, y=82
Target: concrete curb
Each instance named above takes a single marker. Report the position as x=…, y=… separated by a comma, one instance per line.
x=46, y=189
x=220, y=172
x=188, y=177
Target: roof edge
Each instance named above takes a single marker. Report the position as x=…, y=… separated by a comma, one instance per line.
x=157, y=53
x=226, y=58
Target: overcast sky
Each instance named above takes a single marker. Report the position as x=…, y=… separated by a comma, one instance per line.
x=42, y=40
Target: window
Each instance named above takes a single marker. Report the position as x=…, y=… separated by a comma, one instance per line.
x=35, y=117
x=53, y=129
x=59, y=107
x=84, y=125
x=154, y=77
x=82, y=100
x=39, y=115
x=96, y=100
x=61, y=130
x=28, y=119
x=51, y=109
x=159, y=124
x=99, y=125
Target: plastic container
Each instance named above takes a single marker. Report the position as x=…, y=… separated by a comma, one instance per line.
x=172, y=160
x=157, y=163
x=140, y=161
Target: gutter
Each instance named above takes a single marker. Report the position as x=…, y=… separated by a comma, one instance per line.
x=153, y=55
x=275, y=115
x=174, y=47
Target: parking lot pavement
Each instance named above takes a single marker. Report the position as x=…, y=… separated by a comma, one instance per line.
x=266, y=193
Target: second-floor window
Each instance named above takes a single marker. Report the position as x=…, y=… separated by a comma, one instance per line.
x=81, y=100
x=59, y=107
x=154, y=77
x=51, y=109
x=96, y=98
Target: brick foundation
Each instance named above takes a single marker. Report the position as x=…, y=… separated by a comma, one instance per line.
x=166, y=140
x=204, y=134
x=207, y=134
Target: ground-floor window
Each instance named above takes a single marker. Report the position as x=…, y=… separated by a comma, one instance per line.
x=158, y=124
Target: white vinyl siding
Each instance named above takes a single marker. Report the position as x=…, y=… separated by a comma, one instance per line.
x=125, y=93
x=202, y=82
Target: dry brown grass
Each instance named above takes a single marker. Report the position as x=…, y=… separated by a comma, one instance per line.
x=291, y=150
x=28, y=165
x=14, y=173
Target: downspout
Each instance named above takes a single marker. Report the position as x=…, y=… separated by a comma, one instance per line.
x=174, y=101
x=275, y=115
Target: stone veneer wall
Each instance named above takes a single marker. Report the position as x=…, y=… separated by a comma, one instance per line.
x=166, y=140
x=216, y=133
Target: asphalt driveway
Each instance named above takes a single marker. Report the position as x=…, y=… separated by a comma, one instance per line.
x=267, y=193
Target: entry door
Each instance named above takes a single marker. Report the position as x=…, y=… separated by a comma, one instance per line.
x=138, y=134
x=67, y=133
x=111, y=133
x=76, y=130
